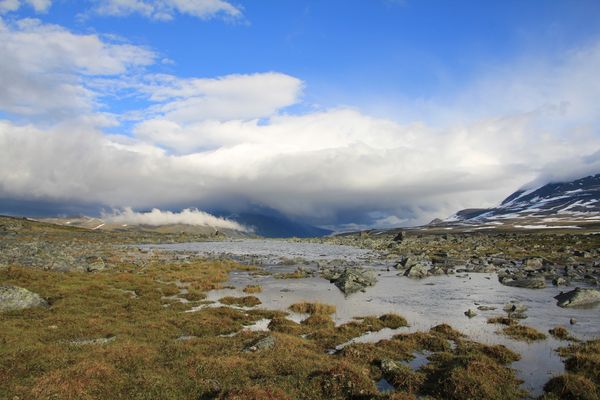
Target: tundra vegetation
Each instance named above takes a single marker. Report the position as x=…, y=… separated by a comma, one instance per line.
x=124, y=323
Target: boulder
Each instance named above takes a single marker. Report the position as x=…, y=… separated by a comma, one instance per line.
x=389, y=366
x=353, y=280
x=418, y=270
x=95, y=263
x=470, y=313
x=528, y=283
x=578, y=297
x=16, y=298
x=533, y=264
x=559, y=281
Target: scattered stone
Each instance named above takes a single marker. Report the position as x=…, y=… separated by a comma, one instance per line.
x=533, y=264
x=515, y=308
x=578, y=297
x=14, y=298
x=265, y=343
x=95, y=263
x=389, y=366
x=186, y=338
x=470, y=313
x=559, y=281
x=88, y=342
x=399, y=237
x=353, y=280
x=528, y=283
x=572, y=321
x=417, y=270
x=486, y=308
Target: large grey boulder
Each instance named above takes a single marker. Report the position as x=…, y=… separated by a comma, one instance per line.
x=14, y=298
x=578, y=297
x=353, y=280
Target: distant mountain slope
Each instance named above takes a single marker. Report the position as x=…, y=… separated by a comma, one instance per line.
x=554, y=204
x=267, y=224
x=272, y=224
x=94, y=223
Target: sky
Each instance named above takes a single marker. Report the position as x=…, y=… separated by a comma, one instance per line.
x=343, y=114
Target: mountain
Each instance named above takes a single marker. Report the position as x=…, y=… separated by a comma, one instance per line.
x=265, y=223
x=271, y=224
x=97, y=223
x=555, y=205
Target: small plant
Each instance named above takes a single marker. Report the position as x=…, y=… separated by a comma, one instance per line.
x=253, y=289
x=312, y=308
x=246, y=301
x=525, y=333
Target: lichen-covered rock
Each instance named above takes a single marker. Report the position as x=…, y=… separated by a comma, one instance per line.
x=354, y=280
x=528, y=283
x=418, y=270
x=578, y=297
x=265, y=343
x=92, y=342
x=95, y=263
x=16, y=298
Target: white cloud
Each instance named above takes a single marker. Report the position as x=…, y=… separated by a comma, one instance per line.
x=39, y=6
x=225, y=98
x=167, y=9
x=227, y=141
x=157, y=217
x=46, y=69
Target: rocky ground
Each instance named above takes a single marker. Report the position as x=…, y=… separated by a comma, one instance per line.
x=522, y=259
x=84, y=317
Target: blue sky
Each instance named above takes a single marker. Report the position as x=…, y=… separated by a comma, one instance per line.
x=384, y=112
x=352, y=52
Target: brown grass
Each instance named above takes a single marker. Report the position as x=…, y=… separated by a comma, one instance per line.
x=245, y=301
x=253, y=289
x=501, y=320
x=525, y=333
x=571, y=387
x=312, y=308
x=562, y=333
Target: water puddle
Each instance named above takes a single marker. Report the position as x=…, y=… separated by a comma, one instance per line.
x=424, y=303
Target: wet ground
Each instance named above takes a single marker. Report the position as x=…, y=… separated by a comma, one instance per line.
x=424, y=303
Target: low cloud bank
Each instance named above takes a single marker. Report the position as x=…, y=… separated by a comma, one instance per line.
x=156, y=217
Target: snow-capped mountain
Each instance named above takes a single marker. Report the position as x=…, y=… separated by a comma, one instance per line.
x=554, y=204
